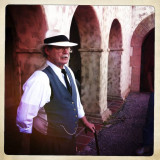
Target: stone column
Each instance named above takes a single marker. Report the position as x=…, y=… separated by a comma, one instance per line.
x=114, y=73
x=91, y=85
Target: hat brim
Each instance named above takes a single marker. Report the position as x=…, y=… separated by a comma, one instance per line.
x=62, y=44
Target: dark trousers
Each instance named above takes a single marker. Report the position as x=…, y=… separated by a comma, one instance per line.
x=148, y=130
x=48, y=145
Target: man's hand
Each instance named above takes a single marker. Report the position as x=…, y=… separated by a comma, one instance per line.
x=87, y=124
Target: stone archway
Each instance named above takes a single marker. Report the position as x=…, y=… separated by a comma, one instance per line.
x=90, y=52
x=88, y=26
x=29, y=27
x=114, y=61
x=136, y=42
x=25, y=29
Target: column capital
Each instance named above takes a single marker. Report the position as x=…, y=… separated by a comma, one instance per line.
x=114, y=49
x=90, y=50
x=28, y=51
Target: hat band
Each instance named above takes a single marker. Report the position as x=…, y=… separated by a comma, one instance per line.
x=60, y=38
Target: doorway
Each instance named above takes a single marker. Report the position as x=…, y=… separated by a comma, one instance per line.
x=147, y=63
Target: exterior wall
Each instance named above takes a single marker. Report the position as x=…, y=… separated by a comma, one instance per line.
x=139, y=13
x=126, y=25
x=29, y=25
x=109, y=14
x=94, y=25
x=144, y=26
x=59, y=18
x=29, y=62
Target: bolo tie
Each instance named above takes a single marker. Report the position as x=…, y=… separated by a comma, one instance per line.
x=66, y=81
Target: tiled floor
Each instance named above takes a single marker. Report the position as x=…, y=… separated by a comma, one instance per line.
x=83, y=138
x=115, y=105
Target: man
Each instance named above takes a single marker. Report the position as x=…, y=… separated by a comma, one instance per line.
x=50, y=105
x=148, y=130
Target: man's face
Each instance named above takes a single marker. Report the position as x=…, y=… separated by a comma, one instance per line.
x=58, y=55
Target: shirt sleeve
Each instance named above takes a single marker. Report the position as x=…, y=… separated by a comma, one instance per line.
x=36, y=94
x=81, y=112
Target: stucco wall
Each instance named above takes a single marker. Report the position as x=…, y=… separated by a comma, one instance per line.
x=30, y=26
x=139, y=34
x=139, y=13
x=126, y=25
x=111, y=13
x=59, y=18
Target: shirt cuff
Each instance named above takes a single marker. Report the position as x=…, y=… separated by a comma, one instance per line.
x=24, y=130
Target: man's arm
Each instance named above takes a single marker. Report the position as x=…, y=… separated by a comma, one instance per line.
x=36, y=94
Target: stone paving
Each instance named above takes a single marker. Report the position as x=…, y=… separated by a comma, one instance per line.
x=125, y=134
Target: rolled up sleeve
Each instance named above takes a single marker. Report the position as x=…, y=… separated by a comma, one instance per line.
x=36, y=94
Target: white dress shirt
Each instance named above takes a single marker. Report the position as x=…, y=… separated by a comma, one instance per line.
x=36, y=94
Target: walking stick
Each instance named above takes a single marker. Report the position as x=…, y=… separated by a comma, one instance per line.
x=96, y=140
x=97, y=146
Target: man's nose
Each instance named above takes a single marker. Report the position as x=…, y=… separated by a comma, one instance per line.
x=66, y=50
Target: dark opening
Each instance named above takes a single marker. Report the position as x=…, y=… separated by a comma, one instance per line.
x=147, y=63
x=75, y=59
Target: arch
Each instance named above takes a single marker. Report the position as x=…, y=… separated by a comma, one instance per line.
x=25, y=29
x=28, y=28
x=90, y=52
x=115, y=36
x=114, y=60
x=85, y=31
x=142, y=29
x=138, y=37
x=88, y=26
x=30, y=25
x=147, y=63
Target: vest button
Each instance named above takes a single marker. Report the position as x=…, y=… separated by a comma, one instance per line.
x=74, y=109
x=72, y=102
x=76, y=116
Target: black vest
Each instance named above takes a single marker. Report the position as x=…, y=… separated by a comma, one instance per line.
x=62, y=113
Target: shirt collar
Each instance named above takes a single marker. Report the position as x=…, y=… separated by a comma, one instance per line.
x=54, y=67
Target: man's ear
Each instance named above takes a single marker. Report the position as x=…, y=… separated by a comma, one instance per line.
x=46, y=50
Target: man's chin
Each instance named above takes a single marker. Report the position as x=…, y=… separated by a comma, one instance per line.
x=65, y=61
